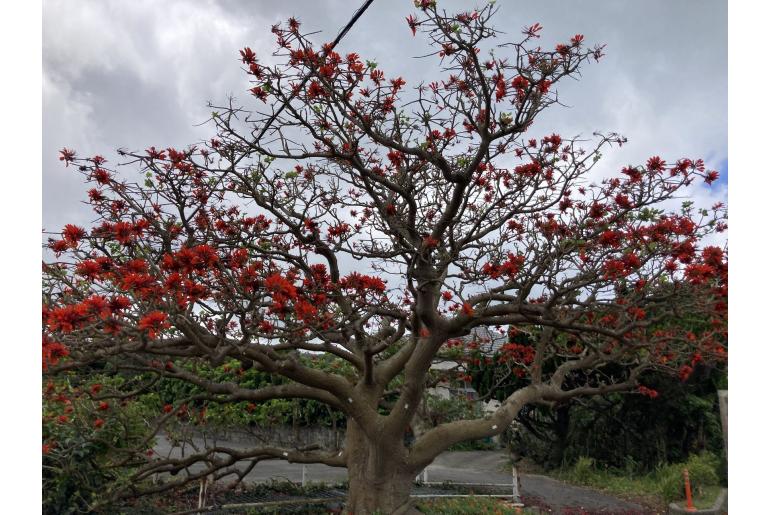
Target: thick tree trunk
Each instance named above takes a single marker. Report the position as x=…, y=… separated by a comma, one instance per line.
x=379, y=480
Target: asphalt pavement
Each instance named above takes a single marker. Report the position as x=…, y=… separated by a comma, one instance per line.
x=481, y=467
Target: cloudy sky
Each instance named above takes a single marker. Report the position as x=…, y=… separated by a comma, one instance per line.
x=120, y=74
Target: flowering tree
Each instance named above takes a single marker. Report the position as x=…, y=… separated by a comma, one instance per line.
x=339, y=212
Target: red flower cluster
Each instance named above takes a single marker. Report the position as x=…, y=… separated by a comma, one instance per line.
x=52, y=352
x=316, y=90
x=67, y=155
x=362, y=283
x=72, y=234
x=190, y=260
x=281, y=288
x=339, y=230
x=508, y=268
x=248, y=56
x=529, y=169
x=153, y=323
x=648, y=392
x=610, y=238
x=69, y=317
x=518, y=353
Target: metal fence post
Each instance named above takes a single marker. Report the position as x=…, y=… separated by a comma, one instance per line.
x=516, y=496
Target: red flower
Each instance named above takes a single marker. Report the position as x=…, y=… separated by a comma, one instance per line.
x=52, y=352
x=316, y=90
x=339, y=230
x=610, y=238
x=597, y=210
x=101, y=176
x=120, y=303
x=632, y=261
x=72, y=234
x=98, y=423
x=655, y=164
x=634, y=175
x=143, y=284
x=684, y=372
x=90, y=269
x=447, y=295
x=412, y=22
x=467, y=309
x=699, y=274
x=103, y=406
x=533, y=30
x=98, y=306
x=562, y=49
x=362, y=283
x=280, y=287
x=152, y=153
x=396, y=158
x=529, y=169
x=168, y=408
x=63, y=419
x=58, y=246
x=430, y=242
x=154, y=322
x=123, y=232
x=520, y=83
x=648, y=392
x=96, y=388
x=305, y=311
x=67, y=155
x=248, y=56
x=260, y=93
x=509, y=268
x=713, y=256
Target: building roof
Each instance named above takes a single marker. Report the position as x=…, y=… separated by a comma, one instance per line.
x=489, y=342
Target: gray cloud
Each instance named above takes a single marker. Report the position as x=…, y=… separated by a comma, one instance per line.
x=135, y=74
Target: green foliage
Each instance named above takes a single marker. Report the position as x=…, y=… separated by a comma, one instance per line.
x=244, y=414
x=702, y=471
x=615, y=430
x=583, y=469
x=468, y=506
x=663, y=485
x=80, y=449
x=444, y=410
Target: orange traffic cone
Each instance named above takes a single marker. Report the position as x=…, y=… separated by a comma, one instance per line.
x=687, y=492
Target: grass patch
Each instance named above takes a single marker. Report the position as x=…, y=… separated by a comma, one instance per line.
x=471, y=506
x=657, y=488
x=706, y=499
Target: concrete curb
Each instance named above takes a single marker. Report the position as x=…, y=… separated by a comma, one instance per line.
x=716, y=509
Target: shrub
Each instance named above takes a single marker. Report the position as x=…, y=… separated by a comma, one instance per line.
x=702, y=470
x=81, y=442
x=583, y=470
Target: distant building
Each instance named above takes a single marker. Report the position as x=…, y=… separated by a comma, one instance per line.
x=489, y=343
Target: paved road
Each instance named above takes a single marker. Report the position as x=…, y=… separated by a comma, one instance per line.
x=459, y=467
